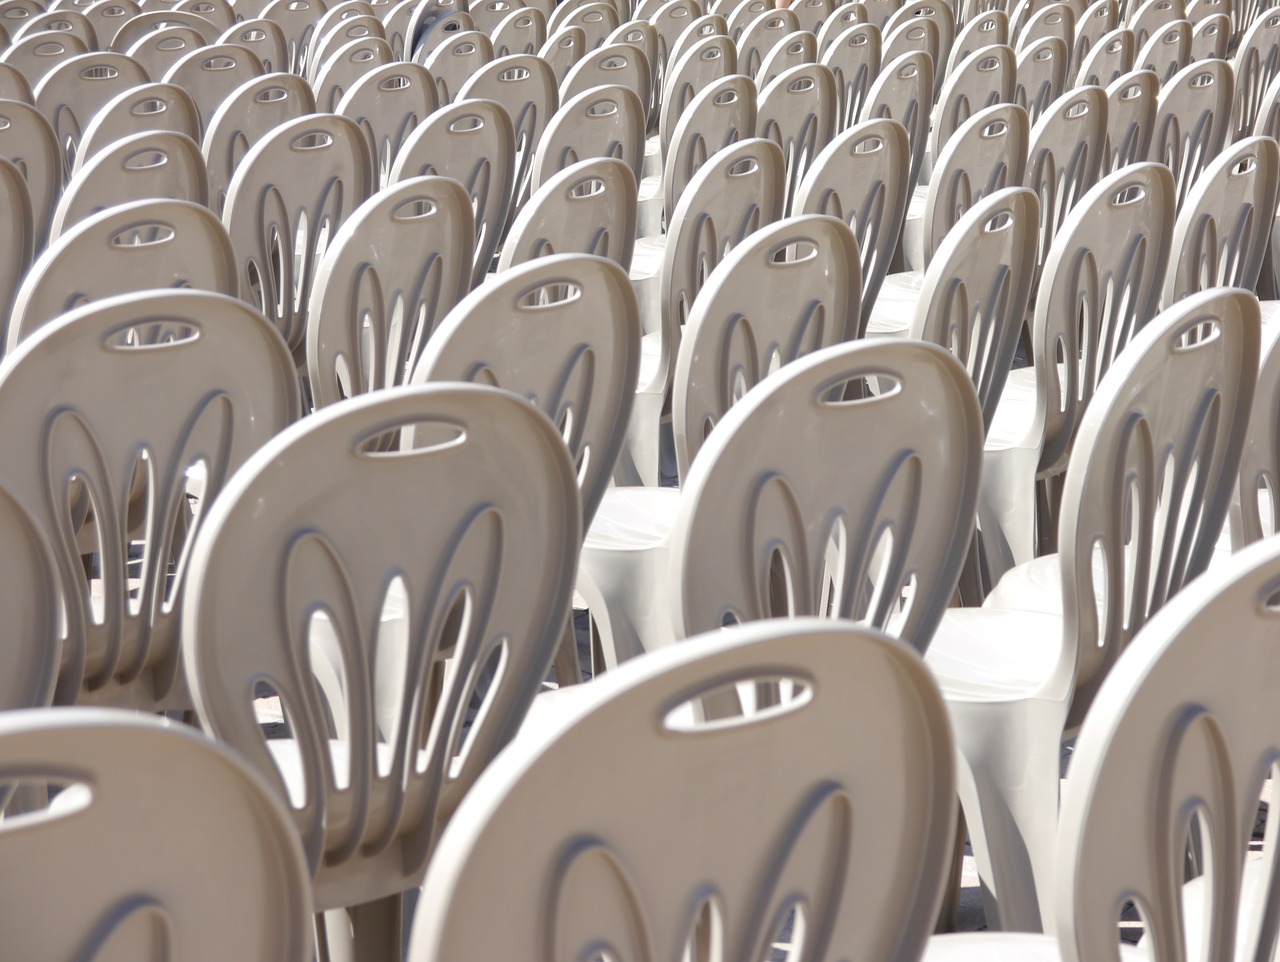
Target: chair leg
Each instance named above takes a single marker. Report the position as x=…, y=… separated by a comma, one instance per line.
x=378, y=929
x=949, y=911
x=568, y=667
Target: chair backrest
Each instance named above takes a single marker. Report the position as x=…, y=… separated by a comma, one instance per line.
x=388, y=103
x=297, y=20
x=564, y=48
x=332, y=35
x=587, y=208
x=1131, y=119
x=1152, y=16
x=101, y=467
x=1167, y=51
x=1100, y=285
x=917, y=35
x=1094, y=22
x=1255, y=512
x=29, y=592
x=212, y=74
x=37, y=55
x=844, y=839
x=987, y=29
x=616, y=63
x=138, y=246
x=1152, y=476
x=974, y=296
x=761, y=36
x=72, y=92
x=854, y=58
x=1064, y=158
x=792, y=287
x=736, y=192
x=1051, y=20
x=903, y=92
x=456, y=60
x=473, y=142
x=564, y=332
x=981, y=80
x=1193, y=121
x=607, y=121
x=345, y=68
x=247, y=116
x=793, y=50
x=1042, y=76
x=1211, y=38
x=988, y=153
x=152, y=164
x=389, y=276
x=862, y=178
x=721, y=114
x=287, y=198
x=156, y=106
x=17, y=232
x=708, y=60
x=146, y=801
x=28, y=142
x=838, y=482
x=1109, y=59
x=485, y=579
x=1256, y=63
x=797, y=111
x=1221, y=235
x=265, y=38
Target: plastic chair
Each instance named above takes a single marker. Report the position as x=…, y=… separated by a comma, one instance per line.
x=14, y=85
x=1131, y=119
x=346, y=67
x=710, y=863
x=837, y=22
x=245, y=118
x=1193, y=121
x=264, y=39
x=1109, y=59
x=981, y=80
x=391, y=273
x=152, y=19
x=607, y=121
x=780, y=515
x=59, y=21
x=138, y=246
x=388, y=103
x=212, y=74
x=108, y=17
x=1256, y=63
x=1052, y=20
x=587, y=208
x=707, y=61
x=918, y=35
x=288, y=197
x=564, y=49
x=1096, y=22
x=940, y=14
x=456, y=60
x=1221, y=234
x=157, y=51
x=333, y=35
x=297, y=21
x=1042, y=76
x=989, y=29
x=562, y=331
x=1152, y=16
x=397, y=24
x=76, y=89
x=28, y=142
x=643, y=36
x=1180, y=726
x=481, y=582
x=861, y=177
x=1117, y=238
x=853, y=58
x=153, y=164
x=471, y=141
x=735, y=193
x=36, y=56
x=789, y=289
x=1146, y=493
x=150, y=107
x=104, y=469
x=797, y=111
x=1166, y=52
x=792, y=51
x=18, y=230
x=903, y=92
x=32, y=652
x=145, y=801
x=596, y=20
x=761, y=36
x=1253, y=511
x=1210, y=38
x=217, y=12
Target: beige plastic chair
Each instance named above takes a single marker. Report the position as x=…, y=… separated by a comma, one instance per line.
x=617, y=63
x=861, y=177
x=587, y=208
x=333, y=34
x=761, y=36
x=265, y=39
x=473, y=142
x=159, y=50
x=1211, y=38
x=212, y=74
x=107, y=17
x=1109, y=59
x=706, y=61
x=218, y=12
x=145, y=801
x=597, y=21
x=983, y=79
x=139, y=246
x=1193, y=121
x=247, y=116
x=854, y=58
x=837, y=22
x=288, y=197
x=36, y=56
x=15, y=86
x=562, y=331
x=482, y=584
x=149, y=107
x=523, y=30
x=781, y=515
x=903, y=92
x=1051, y=20
x=297, y=21
x=789, y=289
x=103, y=469
x=1147, y=491
x=1179, y=740
x=456, y=60
x=59, y=21
x=1131, y=119
x=1256, y=63
x=32, y=649
x=918, y=35
x=735, y=193
x=1166, y=52
x=28, y=142
x=1095, y=22
x=17, y=232
x=397, y=23
x=564, y=49
x=644, y=36
x=388, y=103
x=71, y=93
x=1042, y=76
x=346, y=66
x=797, y=111
x=607, y=121
x=1254, y=513
x=150, y=165
x=1221, y=234
x=844, y=844
x=941, y=15
x=792, y=51
x=390, y=275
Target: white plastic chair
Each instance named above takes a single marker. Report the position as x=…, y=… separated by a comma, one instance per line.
x=1180, y=740
x=854, y=58
x=761, y=36
x=1167, y=51
x=903, y=92
x=1110, y=58
x=211, y=74
x=983, y=79
x=837, y=849
x=1256, y=63
x=388, y=103
x=1193, y=121
x=1131, y=119
x=783, y=514
x=32, y=652
x=1147, y=490
x=1042, y=76
x=157, y=106
x=458, y=57
x=388, y=277
x=144, y=801
x=264, y=38
x=606, y=121
x=617, y=63
x=37, y=55
x=103, y=468
x=1094, y=23
x=17, y=232
x=71, y=93
x=28, y=141
x=797, y=111
x=472, y=597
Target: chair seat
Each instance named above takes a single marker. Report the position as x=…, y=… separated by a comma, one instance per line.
x=1035, y=586
x=646, y=277
x=652, y=158
x=913, y=229
x=632, y=519
x=649, y=207
x=1015, y=415
x=895, y=306
x=992, y=947
x=1270, y=311
x=288, y=759
x=989, y=654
